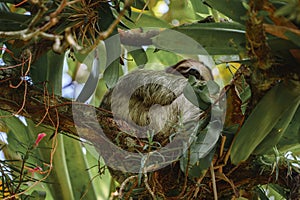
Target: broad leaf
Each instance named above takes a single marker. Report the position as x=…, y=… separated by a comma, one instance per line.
x=13, y=21
x=210, y=38
x=112, y=45
x=144, y=19
x=291, y=137
x=140, y=57
x=78, y=169
x=234, y=9
x=264, y=118
x=48, y=69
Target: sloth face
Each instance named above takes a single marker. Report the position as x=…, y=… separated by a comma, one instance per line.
x=191, y=67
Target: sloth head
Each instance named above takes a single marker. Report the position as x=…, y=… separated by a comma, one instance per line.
x=190, y=67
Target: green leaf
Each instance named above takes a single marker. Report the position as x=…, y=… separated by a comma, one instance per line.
x=37, y=195
x=277, y=191
x=233, y=9
x=164, y=58
x=80, y=57
x=15, y=17
x=140, y=57
x=291, y=137
x=111, y=74
x=266, y=146
x=48, y=69
x=62, y=189
x=280, y=45
x=281, y=49
x=264, y=118
x=246, y=93
x=21, y=137
x=199, y=7
x=199, y=93
x=144, y=19
x=213, y=87
x=4, y=7
x=106, y=17
x=262, y=193
x=295, y=38
x=203, y=39
x=92, y=81
x=203, y=147
x=13, y=21
x=78, y=169
x=190, y=94
x=112, y=45
x=197, y=168
x=17, y=133
x=101, y=184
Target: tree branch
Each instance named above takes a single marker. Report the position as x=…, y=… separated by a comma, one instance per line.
x=44, y=108
x=38, y=104
x=137, y=37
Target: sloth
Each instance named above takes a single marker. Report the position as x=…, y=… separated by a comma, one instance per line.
x=153, y=99
x=146, y=101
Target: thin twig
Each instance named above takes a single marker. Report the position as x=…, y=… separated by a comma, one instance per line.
x=144, y=8
x=42, y=10
x=122, y=186
x=148, y=186
x=198, y=185
x=46, y=104
x=28, y=33
x=225, y=178
x=213, y=178
x=110, y=29
x=23, y=81
x=186, y=174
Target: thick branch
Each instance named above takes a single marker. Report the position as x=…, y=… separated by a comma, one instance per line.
x=87, y=122
x=137, y=37
x=56, y=109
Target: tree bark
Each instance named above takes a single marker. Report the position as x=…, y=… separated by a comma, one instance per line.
x=51, y=110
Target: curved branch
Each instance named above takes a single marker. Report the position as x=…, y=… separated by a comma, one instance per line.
x=36, y=107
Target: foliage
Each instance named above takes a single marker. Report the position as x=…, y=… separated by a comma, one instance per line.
x=255, y=44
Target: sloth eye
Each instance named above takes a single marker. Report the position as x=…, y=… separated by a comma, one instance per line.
x=195, y=73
